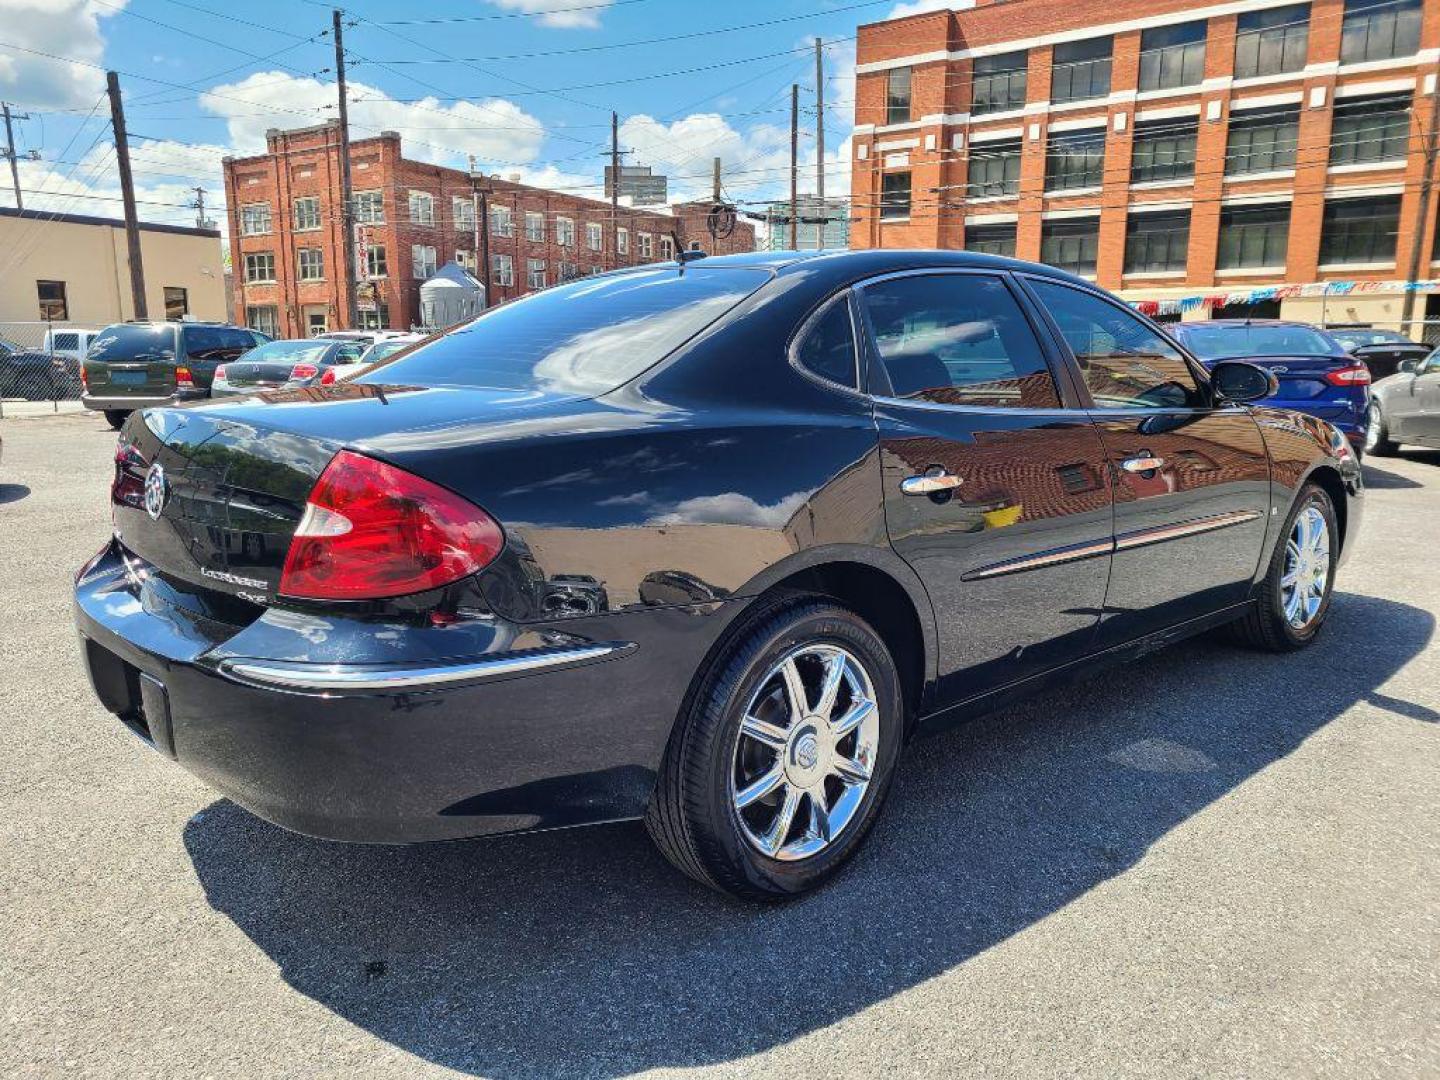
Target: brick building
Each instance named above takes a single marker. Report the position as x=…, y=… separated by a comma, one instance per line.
x=411, y=218
x=1164, y=148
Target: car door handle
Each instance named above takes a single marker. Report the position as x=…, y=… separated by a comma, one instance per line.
x=1142, y=463
x=930, y=484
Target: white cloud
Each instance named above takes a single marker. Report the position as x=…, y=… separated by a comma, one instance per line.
x=733, y=508
x=69, y=28
x=919, y=7
x=582, y=14
x=684, y=148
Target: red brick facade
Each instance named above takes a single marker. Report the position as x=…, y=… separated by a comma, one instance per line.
x=937, y=143
x=304, y=165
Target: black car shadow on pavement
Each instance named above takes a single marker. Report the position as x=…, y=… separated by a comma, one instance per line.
x=582, y=953
x=10, y=493
x=1376, y=477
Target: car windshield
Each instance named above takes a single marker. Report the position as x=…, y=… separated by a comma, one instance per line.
x=1227, y=342
x=293, y=352
x=134, y=341
x=583, y=338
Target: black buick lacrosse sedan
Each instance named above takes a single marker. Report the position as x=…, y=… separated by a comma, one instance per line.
x=703, y=542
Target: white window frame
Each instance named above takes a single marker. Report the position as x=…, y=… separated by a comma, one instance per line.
x=532, y=268
x=667, y=247
x=462, y=210
x=271, y=318
x=369, y=207
x=535, y=226
x=502, y=221
x=249, y=280
x=315, y=199
x=465, y=259
x=422, y=208
x=319, y=262
x=622, y=241
x=255, y=219
x=421, y=256
x=370, y=262
x=502, y=270
x=594, y=236
x=565, y=232
x=646, y=245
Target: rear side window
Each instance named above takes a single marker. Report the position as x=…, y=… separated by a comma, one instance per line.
x=958, y=339
x=134, y=341
x=587, y=337
x=65, y=341
x=1126, y=364
x=216, y=342
x=828, y=347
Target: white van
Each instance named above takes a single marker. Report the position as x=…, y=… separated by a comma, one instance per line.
x=69, y=342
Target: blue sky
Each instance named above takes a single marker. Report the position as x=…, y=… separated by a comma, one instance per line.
x=525, y=85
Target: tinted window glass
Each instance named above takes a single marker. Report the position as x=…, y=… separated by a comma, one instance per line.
x=958, y=339
x=291, y=352
x=216, y=342
x=1232, y=342
x=583, y=338
x=828, y=348
x=1125, y=363
x=134, y=341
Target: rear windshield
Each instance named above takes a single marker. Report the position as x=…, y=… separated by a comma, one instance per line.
x=290, y=351
x=138, y=341
x=385, y=348
x=1228, y=342
x=1353, y=339
x=587, y=337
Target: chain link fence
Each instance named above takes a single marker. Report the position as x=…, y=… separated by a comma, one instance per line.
x=40, y=361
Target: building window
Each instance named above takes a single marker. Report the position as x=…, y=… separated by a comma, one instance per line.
x=260, y=267
x=369, y=207
x=177, y=302
x=53, y=306
x=622, y=241
x=566, y=271
x=422, y=208
x=897, y=96
x=895, y=196
x=307, y=214
x=375, y=265
x=462, y=212
x=1370, y=129
x=564, y=232
x=534, y=227
x=647, y=245
x=1272, y=42
x=375, y=318
x=1253, y=236
x=994, y=168
x=991, y=239
x=1379, y=30
x=998, y=83
x=535, y=273
x=1262, y=141
x=1172, y=56
x=502, y=221
x=422, y=257
x=465, y=259
x=667, y=247
x=1075, y=159
x=1156, y=243
x=1164, y=150
x=1072, y=245
x=594, y=236
x=502, y=269
x=1360, y=230
x=255, y=219
x=1080, y=70
x=312, y=264
x=264, y=318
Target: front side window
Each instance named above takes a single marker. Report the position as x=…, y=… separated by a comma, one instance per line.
x=423, y=258
x=895, y=196
x=255, y=219
x=1360, y=230
x=1125, y=363
x=311, y=264
x=503, y=270
x=307, y=213
x=1071, y=244
x=53, y=305
x=1075, y=159
x=1379, y=30
x=1367, y=129
x=260, y=266
x=1080, y=70
x=991, y=239
x=594, y=236
x=828, y=347
x=1164, y=150
x=376, y=265
x=1157, y=243
x=565, y=232
x=897, y=96
x=958, y=339
x=369, y=207
x=1262, y=141
x=1253, y=236
x=1272, y=41
x=999, y=82
x=422, y=208
x=535, y=273
x=995, y=169
x=1172, y=56
x=534, y=226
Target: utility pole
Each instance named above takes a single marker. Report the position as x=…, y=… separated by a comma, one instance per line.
x=480, y=211
x=1422, y=214
x=127, y=194
x=615, y=190
x=794, y=165
x=347, y=207
x=820, y=143
x=10, y=152
x=199, y=205
x=715, y=182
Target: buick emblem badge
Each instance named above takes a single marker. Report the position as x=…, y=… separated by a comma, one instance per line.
x=157, y=491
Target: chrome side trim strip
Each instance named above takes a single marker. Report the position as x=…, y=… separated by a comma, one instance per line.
x=325, y=678
x=1144, y=537
x=1044, y=558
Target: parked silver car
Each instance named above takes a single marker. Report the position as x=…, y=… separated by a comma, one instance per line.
x=285, y=364
x=1405, y=408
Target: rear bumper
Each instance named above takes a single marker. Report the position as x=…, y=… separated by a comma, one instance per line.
x=131, y=401
x=537, y=730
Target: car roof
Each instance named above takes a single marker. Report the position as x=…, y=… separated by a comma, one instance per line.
x=872, y=261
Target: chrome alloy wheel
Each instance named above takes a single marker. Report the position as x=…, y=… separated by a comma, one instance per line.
x=806, y=750
x=1372, y=429
x=1307, y=568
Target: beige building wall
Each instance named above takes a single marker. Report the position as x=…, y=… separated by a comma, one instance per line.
x=89, y=256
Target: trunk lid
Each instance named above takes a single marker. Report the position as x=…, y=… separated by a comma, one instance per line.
x=263, y=374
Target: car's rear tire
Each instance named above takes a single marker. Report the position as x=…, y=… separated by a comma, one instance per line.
x=1377, y=434
x=116, y=418
x=1294, y=598
x=774, y=810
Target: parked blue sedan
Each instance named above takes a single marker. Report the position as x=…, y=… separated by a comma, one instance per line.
x=1315, y=372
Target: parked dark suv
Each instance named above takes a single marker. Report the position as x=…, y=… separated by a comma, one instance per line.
x=136, y=364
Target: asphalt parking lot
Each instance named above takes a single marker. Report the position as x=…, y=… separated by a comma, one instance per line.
x=1208, y=863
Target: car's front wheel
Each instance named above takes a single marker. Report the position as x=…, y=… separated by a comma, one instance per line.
x=1377, y=434
x=1294, y=598
x=783, y=755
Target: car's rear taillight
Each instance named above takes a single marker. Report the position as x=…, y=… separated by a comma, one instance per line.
x=84, y=379
x=301, y=372
x=1354, y=375
x=372, y=531
x=220, y=372
x=328, y=378
x=184, y=379
x=128, y=487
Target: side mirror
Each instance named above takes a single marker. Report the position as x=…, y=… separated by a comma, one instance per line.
x=1408, y=366
x=1237, y=381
